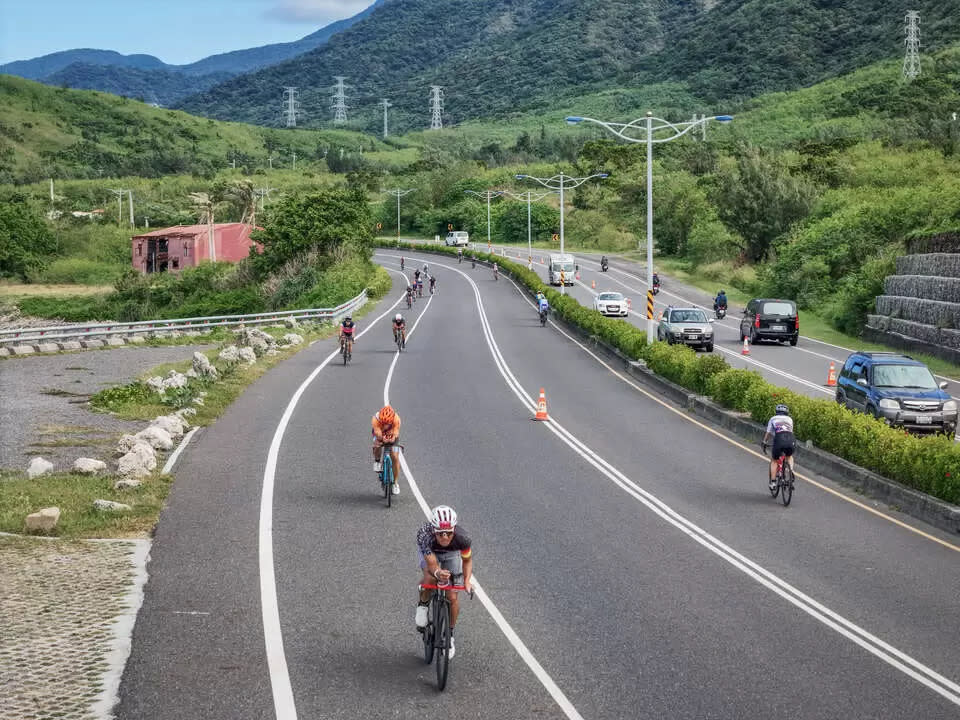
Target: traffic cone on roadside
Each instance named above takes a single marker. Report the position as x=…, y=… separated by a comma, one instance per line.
x=541, y=407
x=832, y=376
x=746, y=347
x=593, y=284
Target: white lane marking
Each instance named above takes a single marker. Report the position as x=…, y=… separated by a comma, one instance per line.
x=189, y=612
x=283, y=703
x=853, y=632
x=518, y=645
x=172, y=460
x=122, y=633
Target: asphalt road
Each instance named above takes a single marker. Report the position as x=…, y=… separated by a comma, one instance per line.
x=803, y=368
x=631, y=561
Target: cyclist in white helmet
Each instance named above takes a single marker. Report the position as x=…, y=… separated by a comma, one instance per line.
x=780, y=430
x=445, y=557
x=399, y=327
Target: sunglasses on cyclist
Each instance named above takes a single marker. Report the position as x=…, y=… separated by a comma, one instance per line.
x=443, y=533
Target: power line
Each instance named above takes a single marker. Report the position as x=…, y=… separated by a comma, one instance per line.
x=339, y=101
x=291, y=106
x=911, y=61
x=436, y=106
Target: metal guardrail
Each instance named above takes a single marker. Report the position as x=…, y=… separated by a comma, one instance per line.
x=62, y=332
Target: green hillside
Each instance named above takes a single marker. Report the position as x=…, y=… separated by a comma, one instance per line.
x=504, y=56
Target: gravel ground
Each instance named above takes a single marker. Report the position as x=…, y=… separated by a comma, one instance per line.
x=43, y=402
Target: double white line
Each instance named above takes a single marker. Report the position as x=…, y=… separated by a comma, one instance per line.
x=872, y=644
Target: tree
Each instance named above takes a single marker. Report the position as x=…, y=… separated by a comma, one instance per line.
x=328, y=223
x=760, y=199
x=24, y=240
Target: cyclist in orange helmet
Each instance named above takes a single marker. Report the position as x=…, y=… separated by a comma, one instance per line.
x=386, y=431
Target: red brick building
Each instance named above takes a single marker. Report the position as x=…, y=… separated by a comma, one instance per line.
x=175, y=248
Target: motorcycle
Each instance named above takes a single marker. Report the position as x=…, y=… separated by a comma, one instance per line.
x=721, y=312
x=656, y=288
x=603, y=266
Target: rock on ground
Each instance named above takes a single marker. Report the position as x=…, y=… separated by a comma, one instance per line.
x=89, y=466
x=110, y=505
x=38, y=466
x=43, y=520
x=157, y=437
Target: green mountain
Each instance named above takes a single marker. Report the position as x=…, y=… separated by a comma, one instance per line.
x=498, y=57
x=160, y=87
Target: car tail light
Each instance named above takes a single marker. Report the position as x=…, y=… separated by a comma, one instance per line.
x=756, y=322
x=796, y=325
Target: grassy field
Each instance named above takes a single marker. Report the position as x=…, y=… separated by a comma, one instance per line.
x=11, y=292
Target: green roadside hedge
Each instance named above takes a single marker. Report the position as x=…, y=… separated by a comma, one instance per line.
x=929, y=464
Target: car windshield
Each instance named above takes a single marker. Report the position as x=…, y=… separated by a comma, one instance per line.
x=778, y=308
x=610, y=296
x=688, y=316
x=565, y=266
x=904, y=376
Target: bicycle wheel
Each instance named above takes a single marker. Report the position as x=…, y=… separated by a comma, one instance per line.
x=387, y=477
x=443, y=643
x=787, y=494
x=428, y=633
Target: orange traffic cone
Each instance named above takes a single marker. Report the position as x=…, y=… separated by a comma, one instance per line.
x=832, y=376
x=629, y=304
x=593, y=284
x=746, y=347
x=541, y=407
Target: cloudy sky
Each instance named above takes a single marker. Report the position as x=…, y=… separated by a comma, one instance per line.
x=176, y=31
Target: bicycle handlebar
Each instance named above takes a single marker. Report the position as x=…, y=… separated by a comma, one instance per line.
x=459, y=588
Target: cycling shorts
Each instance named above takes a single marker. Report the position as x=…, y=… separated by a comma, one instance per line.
x=450, y=561
x=783, y=445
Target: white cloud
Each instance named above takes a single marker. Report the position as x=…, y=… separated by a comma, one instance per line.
x=316, y=11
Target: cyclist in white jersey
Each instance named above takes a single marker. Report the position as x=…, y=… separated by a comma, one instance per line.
x=780, y=430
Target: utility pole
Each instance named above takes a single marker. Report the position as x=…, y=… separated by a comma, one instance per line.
x=262, y=193
x=386, y=104
x=270, y=160
x=294, y=159
x=339, y=101
x=398, y=193
x=436, y=107
x=130, y=198
x=119, y=194
x=51, y=188
x=291, y=106
x=911, y=61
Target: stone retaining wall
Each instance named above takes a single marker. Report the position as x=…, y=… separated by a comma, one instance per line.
x=920, y=308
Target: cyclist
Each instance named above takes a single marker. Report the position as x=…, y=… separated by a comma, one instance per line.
x=720, y=301
x=473, y=261
x=346, y=333
x=780, y=430
x=496, y=272
x=433, y=283
x=410, y=298
x=446, y=557
x=402, y=262
x=416, y=276
x=426, y=273
x=386, y=429
x=400, y=326
x=420, y=286
x=543, y=305
x=460, y=256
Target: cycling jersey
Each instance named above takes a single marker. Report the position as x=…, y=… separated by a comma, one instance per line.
x=544, y=305
x=390, y=432
x=399, y=324
x=427, y=542
x=347, y=327
x=780, y=424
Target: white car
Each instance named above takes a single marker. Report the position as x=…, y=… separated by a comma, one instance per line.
x=611, y=303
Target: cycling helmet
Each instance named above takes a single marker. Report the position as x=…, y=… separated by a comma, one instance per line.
x=387, y=415
x=782, y=410
x=443, y=517
x=399, y=317
x=348, y=318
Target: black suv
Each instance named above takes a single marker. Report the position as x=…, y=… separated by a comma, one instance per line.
x=770, y=319
x=898, y=390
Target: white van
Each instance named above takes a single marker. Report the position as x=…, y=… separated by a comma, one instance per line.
x=458, y=238
x=558, y=264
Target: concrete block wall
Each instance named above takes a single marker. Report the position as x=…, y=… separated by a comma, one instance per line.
x=920, y=307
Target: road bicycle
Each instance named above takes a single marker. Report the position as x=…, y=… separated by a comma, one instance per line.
x=437, y=633
x=386, y=474
x=543, y=318
x=399, y=339
x=346, y=350
x=783, y=480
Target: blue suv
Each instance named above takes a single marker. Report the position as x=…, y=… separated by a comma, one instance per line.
x=898, y=390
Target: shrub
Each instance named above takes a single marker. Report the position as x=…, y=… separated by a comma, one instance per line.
x=729, y=388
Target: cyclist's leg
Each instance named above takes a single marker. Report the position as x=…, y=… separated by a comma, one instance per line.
x=774, y=455
x=396, y=465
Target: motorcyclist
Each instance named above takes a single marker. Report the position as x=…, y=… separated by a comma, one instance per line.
x=603, y=263
x=656, y=282
x=720, y=301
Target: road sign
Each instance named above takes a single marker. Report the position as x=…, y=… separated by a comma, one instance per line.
x=449, y=226
x=556, y=237
x=379, y=226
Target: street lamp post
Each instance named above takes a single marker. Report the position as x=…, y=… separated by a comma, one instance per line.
x=399, y=193
x=646, y=124
x=559, y=182
x=527, y=196
x=486, y=194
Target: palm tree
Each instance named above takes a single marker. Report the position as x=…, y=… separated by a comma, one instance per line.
x=242, y=194
x=205, y=204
